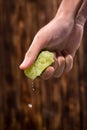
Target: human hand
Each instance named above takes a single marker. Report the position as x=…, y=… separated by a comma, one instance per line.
x=59, y=37
x=62, y=36
x=49, y=37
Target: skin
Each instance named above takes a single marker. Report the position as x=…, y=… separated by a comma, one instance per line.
x=62, y=35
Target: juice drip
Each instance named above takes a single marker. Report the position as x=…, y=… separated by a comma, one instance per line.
x=30, y=105
x=34, y=89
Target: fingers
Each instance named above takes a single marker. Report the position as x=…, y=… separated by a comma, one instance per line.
x=48, y=73
x=60, y=68
x=68, y=63
x=62, y=65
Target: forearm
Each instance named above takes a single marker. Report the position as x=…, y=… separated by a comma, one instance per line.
x=82, y=13
x=69, y=8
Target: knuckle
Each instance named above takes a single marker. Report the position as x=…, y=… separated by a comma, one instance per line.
x=27, y=54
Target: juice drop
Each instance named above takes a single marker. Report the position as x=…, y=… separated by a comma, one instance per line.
x=30, y=105
x=34, y=89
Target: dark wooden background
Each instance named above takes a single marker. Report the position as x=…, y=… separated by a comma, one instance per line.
x=58, y=104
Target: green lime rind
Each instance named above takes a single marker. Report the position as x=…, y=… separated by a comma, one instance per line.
x=44, y=60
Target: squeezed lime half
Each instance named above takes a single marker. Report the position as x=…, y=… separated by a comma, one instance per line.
x=44, y=59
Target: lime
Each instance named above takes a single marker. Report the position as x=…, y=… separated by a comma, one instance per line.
x=44, y=59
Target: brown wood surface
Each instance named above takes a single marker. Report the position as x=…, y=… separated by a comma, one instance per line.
x=57, y=104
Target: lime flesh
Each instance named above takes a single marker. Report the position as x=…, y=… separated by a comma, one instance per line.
x=44, y=59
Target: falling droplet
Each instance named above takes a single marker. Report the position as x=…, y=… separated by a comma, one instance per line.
x=30, y=105
x=33, y=87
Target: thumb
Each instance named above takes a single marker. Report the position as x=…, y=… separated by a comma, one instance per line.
x=32, y=53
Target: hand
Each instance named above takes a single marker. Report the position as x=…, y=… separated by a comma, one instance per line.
x=56, y=36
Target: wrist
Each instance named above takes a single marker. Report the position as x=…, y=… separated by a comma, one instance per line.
x=82, y=13
x=68, y=9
